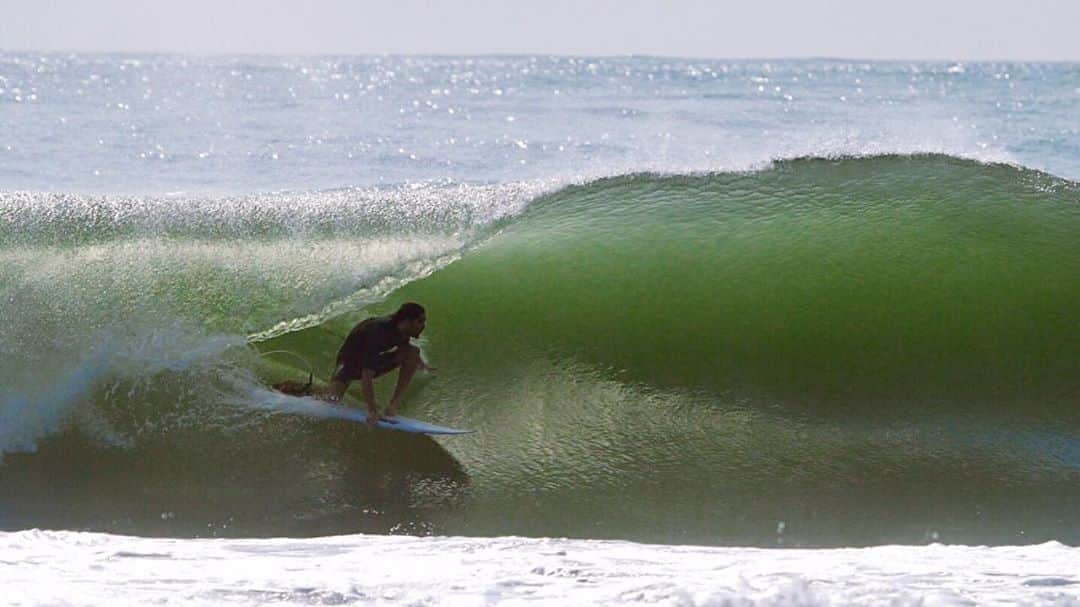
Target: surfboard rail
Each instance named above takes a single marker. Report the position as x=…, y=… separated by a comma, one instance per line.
x=316, y=407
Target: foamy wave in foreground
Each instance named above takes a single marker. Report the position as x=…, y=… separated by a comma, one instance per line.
x=49, y=568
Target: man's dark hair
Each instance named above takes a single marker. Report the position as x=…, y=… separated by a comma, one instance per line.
x=407, y=311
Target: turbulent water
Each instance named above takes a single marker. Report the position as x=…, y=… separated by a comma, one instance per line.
x=47, y=568
x=795, y=304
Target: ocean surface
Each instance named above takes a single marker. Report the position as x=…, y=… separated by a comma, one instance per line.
x=700, y=313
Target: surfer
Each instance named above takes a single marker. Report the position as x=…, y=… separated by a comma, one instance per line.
x=375, y=347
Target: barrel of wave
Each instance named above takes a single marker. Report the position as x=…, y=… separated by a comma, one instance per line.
x=869, y=283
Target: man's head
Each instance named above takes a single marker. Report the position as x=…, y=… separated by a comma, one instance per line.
x=410, y=319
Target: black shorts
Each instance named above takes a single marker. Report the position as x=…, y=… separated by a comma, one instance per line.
x=350, y=370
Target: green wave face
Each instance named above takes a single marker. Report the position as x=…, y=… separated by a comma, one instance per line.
x=898, y=281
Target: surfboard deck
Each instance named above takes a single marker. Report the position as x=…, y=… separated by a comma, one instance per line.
x=316, y=407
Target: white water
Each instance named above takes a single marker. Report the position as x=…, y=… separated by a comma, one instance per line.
x=69, y=568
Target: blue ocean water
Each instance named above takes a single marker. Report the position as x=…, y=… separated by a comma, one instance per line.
x=129, y=124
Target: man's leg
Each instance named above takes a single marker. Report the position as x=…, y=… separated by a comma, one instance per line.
x=335, y=390
x=339, y=383
x=408, y=359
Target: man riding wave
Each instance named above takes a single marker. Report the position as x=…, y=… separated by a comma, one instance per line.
x=374, y=347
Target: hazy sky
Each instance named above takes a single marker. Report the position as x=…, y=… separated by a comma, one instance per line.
x=908, y=29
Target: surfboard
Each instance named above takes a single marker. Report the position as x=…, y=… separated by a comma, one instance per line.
x=315, y=407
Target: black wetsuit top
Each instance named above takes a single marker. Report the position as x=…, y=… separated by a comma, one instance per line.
x=369, y=346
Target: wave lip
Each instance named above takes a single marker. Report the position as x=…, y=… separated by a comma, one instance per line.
x=57, y=219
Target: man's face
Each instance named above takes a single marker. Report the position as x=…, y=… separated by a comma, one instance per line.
x=415, y=326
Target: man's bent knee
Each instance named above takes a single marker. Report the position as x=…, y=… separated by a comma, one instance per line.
x=410, y=353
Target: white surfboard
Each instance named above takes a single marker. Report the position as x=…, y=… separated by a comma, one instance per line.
x=314, y=407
